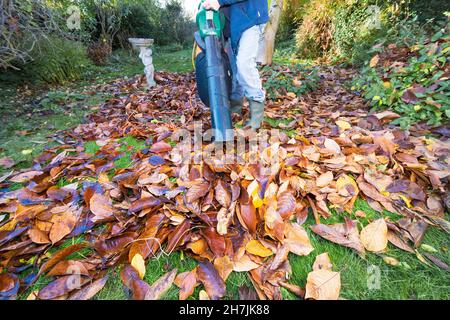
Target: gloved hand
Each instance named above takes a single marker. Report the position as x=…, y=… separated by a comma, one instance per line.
x=211, y=5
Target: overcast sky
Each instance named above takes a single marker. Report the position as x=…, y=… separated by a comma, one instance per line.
x=191, y=6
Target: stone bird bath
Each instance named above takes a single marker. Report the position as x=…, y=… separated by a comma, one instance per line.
x=143, y=45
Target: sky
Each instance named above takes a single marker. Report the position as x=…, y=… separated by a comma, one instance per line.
x=191, y=6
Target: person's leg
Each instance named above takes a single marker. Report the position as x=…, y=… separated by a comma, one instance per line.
x=248, y=74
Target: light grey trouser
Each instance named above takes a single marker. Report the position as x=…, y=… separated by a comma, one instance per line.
x=246, y=79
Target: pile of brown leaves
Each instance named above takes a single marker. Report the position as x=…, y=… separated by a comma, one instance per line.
x=230, y=218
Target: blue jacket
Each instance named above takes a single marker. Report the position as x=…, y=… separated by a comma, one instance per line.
x=245, y=14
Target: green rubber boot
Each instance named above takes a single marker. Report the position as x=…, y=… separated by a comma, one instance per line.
x=256, y=114
x=236, y=106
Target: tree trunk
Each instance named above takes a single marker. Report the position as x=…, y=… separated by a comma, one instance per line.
x=266, y=50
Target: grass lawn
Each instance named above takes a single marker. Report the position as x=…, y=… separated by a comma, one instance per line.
x=28, y=122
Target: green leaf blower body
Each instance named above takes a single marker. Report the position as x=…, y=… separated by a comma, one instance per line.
x=213, y=72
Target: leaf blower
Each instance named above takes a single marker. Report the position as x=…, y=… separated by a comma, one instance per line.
x=213, y=71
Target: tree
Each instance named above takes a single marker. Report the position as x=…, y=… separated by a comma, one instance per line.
x=265, y=55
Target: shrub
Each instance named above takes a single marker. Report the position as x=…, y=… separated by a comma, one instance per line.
x=412, y=81
x=314, y=34
x=57, y=61
x=347, y=29
x=99, y=52
x=297, y=79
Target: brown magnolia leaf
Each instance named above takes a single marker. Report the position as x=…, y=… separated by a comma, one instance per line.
x=297, y=240
x=101, y=207
x=245, y=264
x=441, y=264
x=90, y=290
x=340, y=234
x=25, y=176
x=223, y=196
x=322, y=262
x=209, y=276
x=197, y=191
x=161, y=286
x=160, y=147
x=187, y=282
x=224, y=217
x=63, y=224
x=332, y=145
x=61, y=287
x=246, y=213
x=38, y=236
x=69, y=267
x=224, y=266
x=286, y=204
x=371, y=192
x=177, y=235
x=60, y=255
x=323, y=284
x=374, y=236
x=143, y=204
x=9, y=286
x=114, y=244
x=399, y=242
x=324, y=179
x=215, y=241
x=132, y=281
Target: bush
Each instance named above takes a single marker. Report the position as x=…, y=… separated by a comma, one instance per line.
x=99, y=52
x=57, y=61
x=347, y=29
x=412, y=81
x=314, y=34
x=280, y=81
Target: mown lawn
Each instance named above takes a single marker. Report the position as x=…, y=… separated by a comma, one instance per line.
x=28, y=122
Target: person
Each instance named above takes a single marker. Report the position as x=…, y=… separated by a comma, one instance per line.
x=247, y=23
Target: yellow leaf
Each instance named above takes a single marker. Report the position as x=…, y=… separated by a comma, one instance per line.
x=202, y=295
x=291, y=95
x=27, y=151
x=343, y=125
x=391, y=261
x=138, y=263
x=387, y=84
x=257, y=201
x=374, y=236
x=407, y=201
x=255, y=247
x=374, y=61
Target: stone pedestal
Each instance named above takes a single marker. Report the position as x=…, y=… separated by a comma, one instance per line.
x=143, y=45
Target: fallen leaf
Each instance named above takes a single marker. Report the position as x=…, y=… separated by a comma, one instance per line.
x=374, y=236
x=214, y=285
x=138, y=263
x=255, y=247
x=161, y=286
